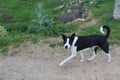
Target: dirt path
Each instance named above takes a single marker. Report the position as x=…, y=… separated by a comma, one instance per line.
x=40, y=62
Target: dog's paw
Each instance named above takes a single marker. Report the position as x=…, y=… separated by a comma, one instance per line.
x=81, y=60
x=60, y=64
x=109, y=61
x=89, y=59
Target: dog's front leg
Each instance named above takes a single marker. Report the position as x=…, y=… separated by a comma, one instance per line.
x=67, y=59
x=94, y=53
x=73, y=54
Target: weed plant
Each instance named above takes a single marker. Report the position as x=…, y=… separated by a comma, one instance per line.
x=46, y=25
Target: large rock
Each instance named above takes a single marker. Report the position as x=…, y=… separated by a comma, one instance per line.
x=116, y=14
x=70, y=16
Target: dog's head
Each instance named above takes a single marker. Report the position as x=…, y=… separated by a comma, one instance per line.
x=68, y=40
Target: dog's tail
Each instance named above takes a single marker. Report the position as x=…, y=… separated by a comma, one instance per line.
x=108, y=30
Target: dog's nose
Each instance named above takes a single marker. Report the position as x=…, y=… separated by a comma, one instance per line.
x=66, y=47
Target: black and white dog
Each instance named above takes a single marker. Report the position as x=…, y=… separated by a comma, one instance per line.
x=83, y=43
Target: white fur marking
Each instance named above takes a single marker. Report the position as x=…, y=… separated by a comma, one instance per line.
x=67, y=43
x=93, y=55
x=84, y=49
x=101, y=30
x=73, y=51
x=109, y=57
x=82, y=57
x=73, y=48
x=67, y=59
x=81, y=54
x=74, y=41
x=73, y=54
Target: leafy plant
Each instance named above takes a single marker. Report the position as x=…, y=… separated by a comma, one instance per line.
x=34, y=39
x=46, y=25
x=3, y=36
x=4, y=41
x=43, y=23
x=3, y=31
x=3, y=51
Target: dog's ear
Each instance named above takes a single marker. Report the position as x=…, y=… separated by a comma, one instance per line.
x=63, y=36
x=73, y=35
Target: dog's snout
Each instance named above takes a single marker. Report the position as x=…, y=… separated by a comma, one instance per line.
x=66, y=47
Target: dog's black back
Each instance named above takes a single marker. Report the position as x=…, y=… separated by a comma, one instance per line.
x=94, y=40
x=90, y=41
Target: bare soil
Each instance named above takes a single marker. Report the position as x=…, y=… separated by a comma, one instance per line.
x=41, y=62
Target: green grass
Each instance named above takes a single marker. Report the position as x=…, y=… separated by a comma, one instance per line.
x=102, y=8
x=54, y=44
x=114, y=36
x=103, y=11
x=21, y=12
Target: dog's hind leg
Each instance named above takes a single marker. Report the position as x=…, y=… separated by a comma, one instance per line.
x=94, y=50
x=105, y=48
x=82, y=57
x=109, y=57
